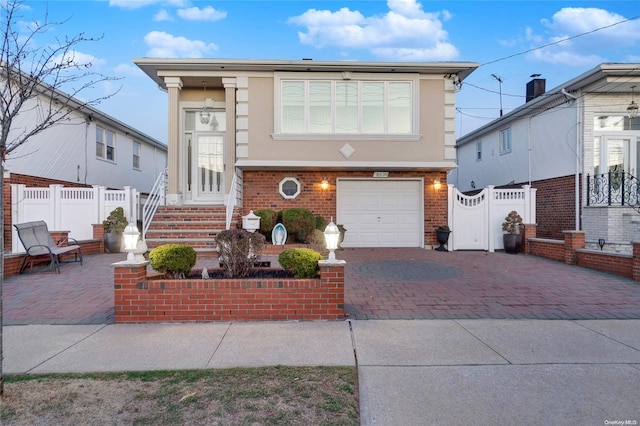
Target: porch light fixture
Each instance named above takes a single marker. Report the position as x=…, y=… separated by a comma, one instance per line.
x=436, y=184
x=131, y=235
x=324, y=185
x=601, y=243
x=632, y=109
x=331, y=236
x=205, y=115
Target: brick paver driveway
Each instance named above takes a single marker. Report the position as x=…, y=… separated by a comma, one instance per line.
x=380, y=284
x=415, y=283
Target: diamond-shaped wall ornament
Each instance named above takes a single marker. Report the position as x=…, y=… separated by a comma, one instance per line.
x=347, y=150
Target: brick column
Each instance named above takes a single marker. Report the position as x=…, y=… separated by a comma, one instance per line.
x=636, y=261
x=332, y=281
x=528, y=230
x=573, y=240
x=98, y=234
x=127, y=279
x=60, y=236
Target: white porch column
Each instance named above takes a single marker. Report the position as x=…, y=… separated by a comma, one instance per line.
x=230, y=136
x=174, y=85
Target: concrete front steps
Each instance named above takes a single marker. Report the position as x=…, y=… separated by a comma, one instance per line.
x=196, y=226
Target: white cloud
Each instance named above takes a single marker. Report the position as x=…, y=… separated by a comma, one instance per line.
x=128, y=70
x=164, y=45
x=205, y=14
x=162, y=15
x=586, y=50
x=79, y=59
x=406, y=31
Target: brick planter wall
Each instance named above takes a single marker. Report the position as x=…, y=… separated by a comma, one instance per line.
x=571, y=251
x=140, y=300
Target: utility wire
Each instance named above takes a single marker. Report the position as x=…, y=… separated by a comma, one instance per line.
x=559, y=41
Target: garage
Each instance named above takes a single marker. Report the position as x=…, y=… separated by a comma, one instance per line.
x=381, y=212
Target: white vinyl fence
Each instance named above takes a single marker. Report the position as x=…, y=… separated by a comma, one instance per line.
x=69, y=209
x=476, y=220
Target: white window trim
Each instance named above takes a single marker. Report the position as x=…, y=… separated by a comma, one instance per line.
x=478, y=151
x=134, y=143
x=356, y=77
x=106, y=129
x=281, y=191
x=500, y=139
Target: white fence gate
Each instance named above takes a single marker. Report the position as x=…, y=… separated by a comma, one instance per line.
x=476, y=220
x=69, y=209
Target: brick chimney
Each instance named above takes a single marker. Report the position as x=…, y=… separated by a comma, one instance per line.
x=535, y=87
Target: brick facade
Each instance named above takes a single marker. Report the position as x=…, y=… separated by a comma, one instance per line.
x=260, y=191
x=139, y=300
x=555, y=206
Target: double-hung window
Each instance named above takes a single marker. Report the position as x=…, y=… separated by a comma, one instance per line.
x=137, y=149
x=339, y=107
x=505, y=140
x=105, y=144
x=479, y=151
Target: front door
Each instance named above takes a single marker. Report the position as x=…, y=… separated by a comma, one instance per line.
x=209, y=168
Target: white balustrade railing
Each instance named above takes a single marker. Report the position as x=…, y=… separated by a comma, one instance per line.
x=156, y=197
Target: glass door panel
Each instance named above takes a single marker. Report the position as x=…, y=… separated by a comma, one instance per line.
x=209, y=167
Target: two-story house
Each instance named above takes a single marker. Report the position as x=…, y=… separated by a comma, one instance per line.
x=89, y=148
x=362, y=142
x=578, y=144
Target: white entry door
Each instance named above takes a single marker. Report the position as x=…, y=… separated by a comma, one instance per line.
x=209, y=168
x=381, y=213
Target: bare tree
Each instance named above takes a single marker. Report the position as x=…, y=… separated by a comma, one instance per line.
x=47, y=79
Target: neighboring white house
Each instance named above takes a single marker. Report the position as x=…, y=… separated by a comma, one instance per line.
x=90, y=148
x=578, y=144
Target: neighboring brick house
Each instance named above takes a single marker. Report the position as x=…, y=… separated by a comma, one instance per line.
x=577, y=144
x=362, y=142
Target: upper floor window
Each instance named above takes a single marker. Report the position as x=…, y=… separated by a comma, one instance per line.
x=137, y=149
x=105, y=144
x=479, y=151
x=505, y=140
x=326, y=107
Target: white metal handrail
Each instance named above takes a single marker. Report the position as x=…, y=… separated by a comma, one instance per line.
x=231, y=201
x=155, y=198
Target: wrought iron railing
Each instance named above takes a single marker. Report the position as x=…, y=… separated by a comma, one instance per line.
x=614, y=188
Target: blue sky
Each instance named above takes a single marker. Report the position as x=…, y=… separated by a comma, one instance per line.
x=373, y=30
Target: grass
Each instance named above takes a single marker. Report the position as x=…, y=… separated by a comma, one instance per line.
x=239, y=396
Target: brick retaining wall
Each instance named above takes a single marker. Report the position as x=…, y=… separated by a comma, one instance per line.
x=571, y=251
x=139, y=299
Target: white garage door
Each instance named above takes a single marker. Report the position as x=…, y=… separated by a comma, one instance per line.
x=381, y=213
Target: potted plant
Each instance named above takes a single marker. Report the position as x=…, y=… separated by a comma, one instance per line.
x=442, y=234
x=511, y=227
x=114, y=226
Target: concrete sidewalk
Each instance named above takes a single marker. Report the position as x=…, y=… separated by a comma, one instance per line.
x=411, y=372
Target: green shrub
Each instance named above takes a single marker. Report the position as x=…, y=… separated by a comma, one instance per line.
x=239, y=250
x=299, y=222
x=174, y=260
x=317, y=237
x=267, y=219
x=302, y=262
x=115, y=222
x=321, y=223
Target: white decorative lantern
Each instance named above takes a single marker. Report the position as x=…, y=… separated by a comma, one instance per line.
x=331, y=236
x=251, y=222
x=130, y=235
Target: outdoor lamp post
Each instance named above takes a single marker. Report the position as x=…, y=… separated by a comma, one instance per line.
x=130, y=235
x=331, y=236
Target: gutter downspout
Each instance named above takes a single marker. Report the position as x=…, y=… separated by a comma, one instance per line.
x=579, y=133
x=529, y=149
